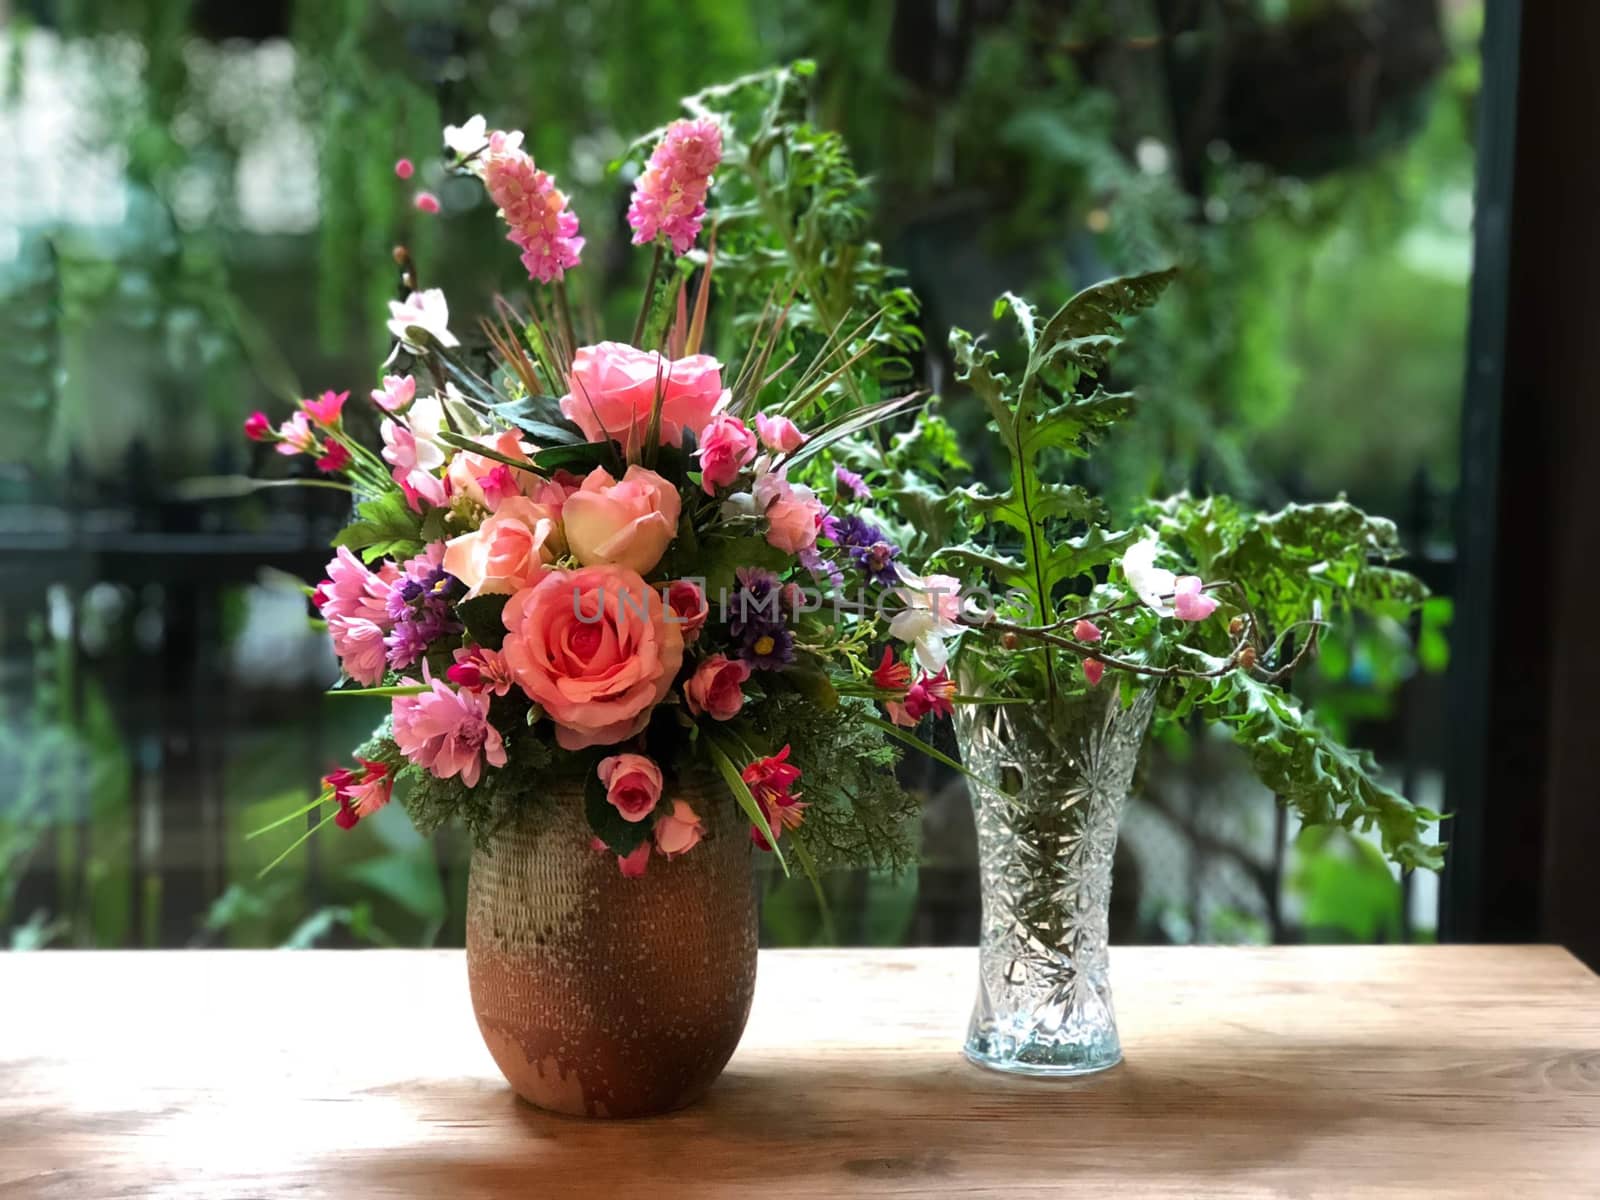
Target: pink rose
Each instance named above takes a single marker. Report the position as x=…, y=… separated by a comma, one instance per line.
x=594, y=649
x=632, y=865
x=779, y=434
x=713, y=689
x=726, y=447
x=611, y=392
x=487, y=481
x=508, y=552
x=633, y=784
x=679, y=831
x=628, y=523
x=688, y=605
x=792, y=510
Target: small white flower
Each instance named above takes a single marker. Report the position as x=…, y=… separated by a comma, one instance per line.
x=931, y=615
x=462, y=140
x=1150, y=581
x=425, y=310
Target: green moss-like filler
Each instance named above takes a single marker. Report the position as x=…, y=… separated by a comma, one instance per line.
x=857, y=814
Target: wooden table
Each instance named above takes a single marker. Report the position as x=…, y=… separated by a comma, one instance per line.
x=1303, y=1072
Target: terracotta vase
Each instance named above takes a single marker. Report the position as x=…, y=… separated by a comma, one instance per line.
x=603, y=996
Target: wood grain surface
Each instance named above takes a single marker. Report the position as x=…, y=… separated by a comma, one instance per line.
x=1384, y=1071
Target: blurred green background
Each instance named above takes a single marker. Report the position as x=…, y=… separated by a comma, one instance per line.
x=197, y=218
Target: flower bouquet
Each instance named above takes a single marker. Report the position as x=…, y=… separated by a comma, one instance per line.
x=590, y=577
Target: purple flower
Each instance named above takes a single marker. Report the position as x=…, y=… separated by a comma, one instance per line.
x=757, y=620
x=767, y=648
x=849, y=484
x=866, y=545
x=821, y=568
x=420, y=607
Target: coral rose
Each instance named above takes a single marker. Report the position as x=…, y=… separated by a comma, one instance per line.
x=611, y=392
x=713, y=689
x=632, y=783
x=508, y=552
x=487, y=481
x=679, y=831
x=687, y=600
x=595, y=650
x=628, y=523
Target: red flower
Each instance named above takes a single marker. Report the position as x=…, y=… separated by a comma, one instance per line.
x=771, y=781
x=1086, y=631
x=1093, y=670
x=326, y=408
x=336, y=458
x=891, y=675
x=257, y=428
x=359, y=793
x=931, y=694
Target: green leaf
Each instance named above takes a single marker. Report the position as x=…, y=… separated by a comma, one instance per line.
x=481, y=615
x=540, y=418
x=384, y=525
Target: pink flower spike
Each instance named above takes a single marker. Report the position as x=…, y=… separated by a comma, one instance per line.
x=540, y=223
x=403, y=168
x=1087, y=631
x=397, y=392
x=426, y=202
x=295, y=436
x=1093, y=670
x=669, y=197
x=325, y=409
x=632, y=865
x=1189, y=603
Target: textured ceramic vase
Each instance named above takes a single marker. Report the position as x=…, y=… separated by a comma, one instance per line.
x=1047, y=807
x=603, y=996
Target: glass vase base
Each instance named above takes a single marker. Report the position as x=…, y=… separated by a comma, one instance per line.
x=1043, y=1060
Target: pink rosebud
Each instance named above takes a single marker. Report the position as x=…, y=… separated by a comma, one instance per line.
x=1093, y=671
x=679, y=831
x=1189, y=603
x=714, y=688
x=632, y=865
x=689, y=607
x=779, y=434
x=397, y=392
x=426, y=202
x=257, y=428
x=632, y=783
x=726, y=447
x=793, y=512
x=326, y=408
x=1086, y=631
x=403, y=168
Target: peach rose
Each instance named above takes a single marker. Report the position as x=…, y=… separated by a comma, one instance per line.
x=487, y=481
x=594, y=649
x=713, y=689
x=679, y=831
x=687, y=601
x=629, y=523
x=726, y=447
x=611, y=392
x=632, y=783
x=792, y=510
x=508, y=552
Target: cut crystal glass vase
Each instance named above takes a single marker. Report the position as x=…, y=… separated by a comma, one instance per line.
x=1051, y=782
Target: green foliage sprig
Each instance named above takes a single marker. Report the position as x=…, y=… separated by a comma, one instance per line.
x=1050, y=545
